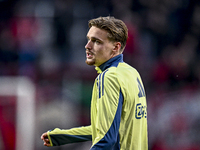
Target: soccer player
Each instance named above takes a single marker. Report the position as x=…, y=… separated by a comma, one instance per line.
x=118, y=105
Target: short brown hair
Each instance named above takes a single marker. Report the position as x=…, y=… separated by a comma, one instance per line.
x=117, y=30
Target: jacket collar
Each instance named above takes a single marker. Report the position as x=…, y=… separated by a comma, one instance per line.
x=111, y=62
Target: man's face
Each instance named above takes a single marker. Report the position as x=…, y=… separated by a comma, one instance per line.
x=98, y=48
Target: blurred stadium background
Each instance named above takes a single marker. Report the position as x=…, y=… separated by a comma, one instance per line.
x=43, y=40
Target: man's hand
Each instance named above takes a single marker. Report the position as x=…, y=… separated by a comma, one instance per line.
x=44, y=137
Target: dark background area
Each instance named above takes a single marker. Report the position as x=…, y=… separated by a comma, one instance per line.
x=44, y=40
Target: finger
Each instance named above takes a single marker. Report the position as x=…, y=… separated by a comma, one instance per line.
x=46, y=144
x=46, y=141
x=43, y=136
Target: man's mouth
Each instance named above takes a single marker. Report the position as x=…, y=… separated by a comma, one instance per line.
x=89, y=55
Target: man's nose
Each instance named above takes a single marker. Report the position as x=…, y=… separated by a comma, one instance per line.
x=88, y=45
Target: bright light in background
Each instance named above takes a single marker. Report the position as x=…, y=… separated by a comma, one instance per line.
x=24, y=90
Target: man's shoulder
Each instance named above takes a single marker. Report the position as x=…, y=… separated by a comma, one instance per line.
x=121, y=70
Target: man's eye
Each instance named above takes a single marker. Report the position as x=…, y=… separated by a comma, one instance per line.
x=98, y=42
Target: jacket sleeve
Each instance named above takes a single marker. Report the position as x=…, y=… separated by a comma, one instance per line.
x=60, y=137
x=109, y=106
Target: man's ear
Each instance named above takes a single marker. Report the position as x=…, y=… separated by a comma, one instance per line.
x=117, y=47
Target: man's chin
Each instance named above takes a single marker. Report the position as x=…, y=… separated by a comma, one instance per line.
x=91, y=63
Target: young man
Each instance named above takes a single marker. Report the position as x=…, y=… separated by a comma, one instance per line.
x=118, y=106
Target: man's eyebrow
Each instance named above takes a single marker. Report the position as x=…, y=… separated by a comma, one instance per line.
x=94, y=38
